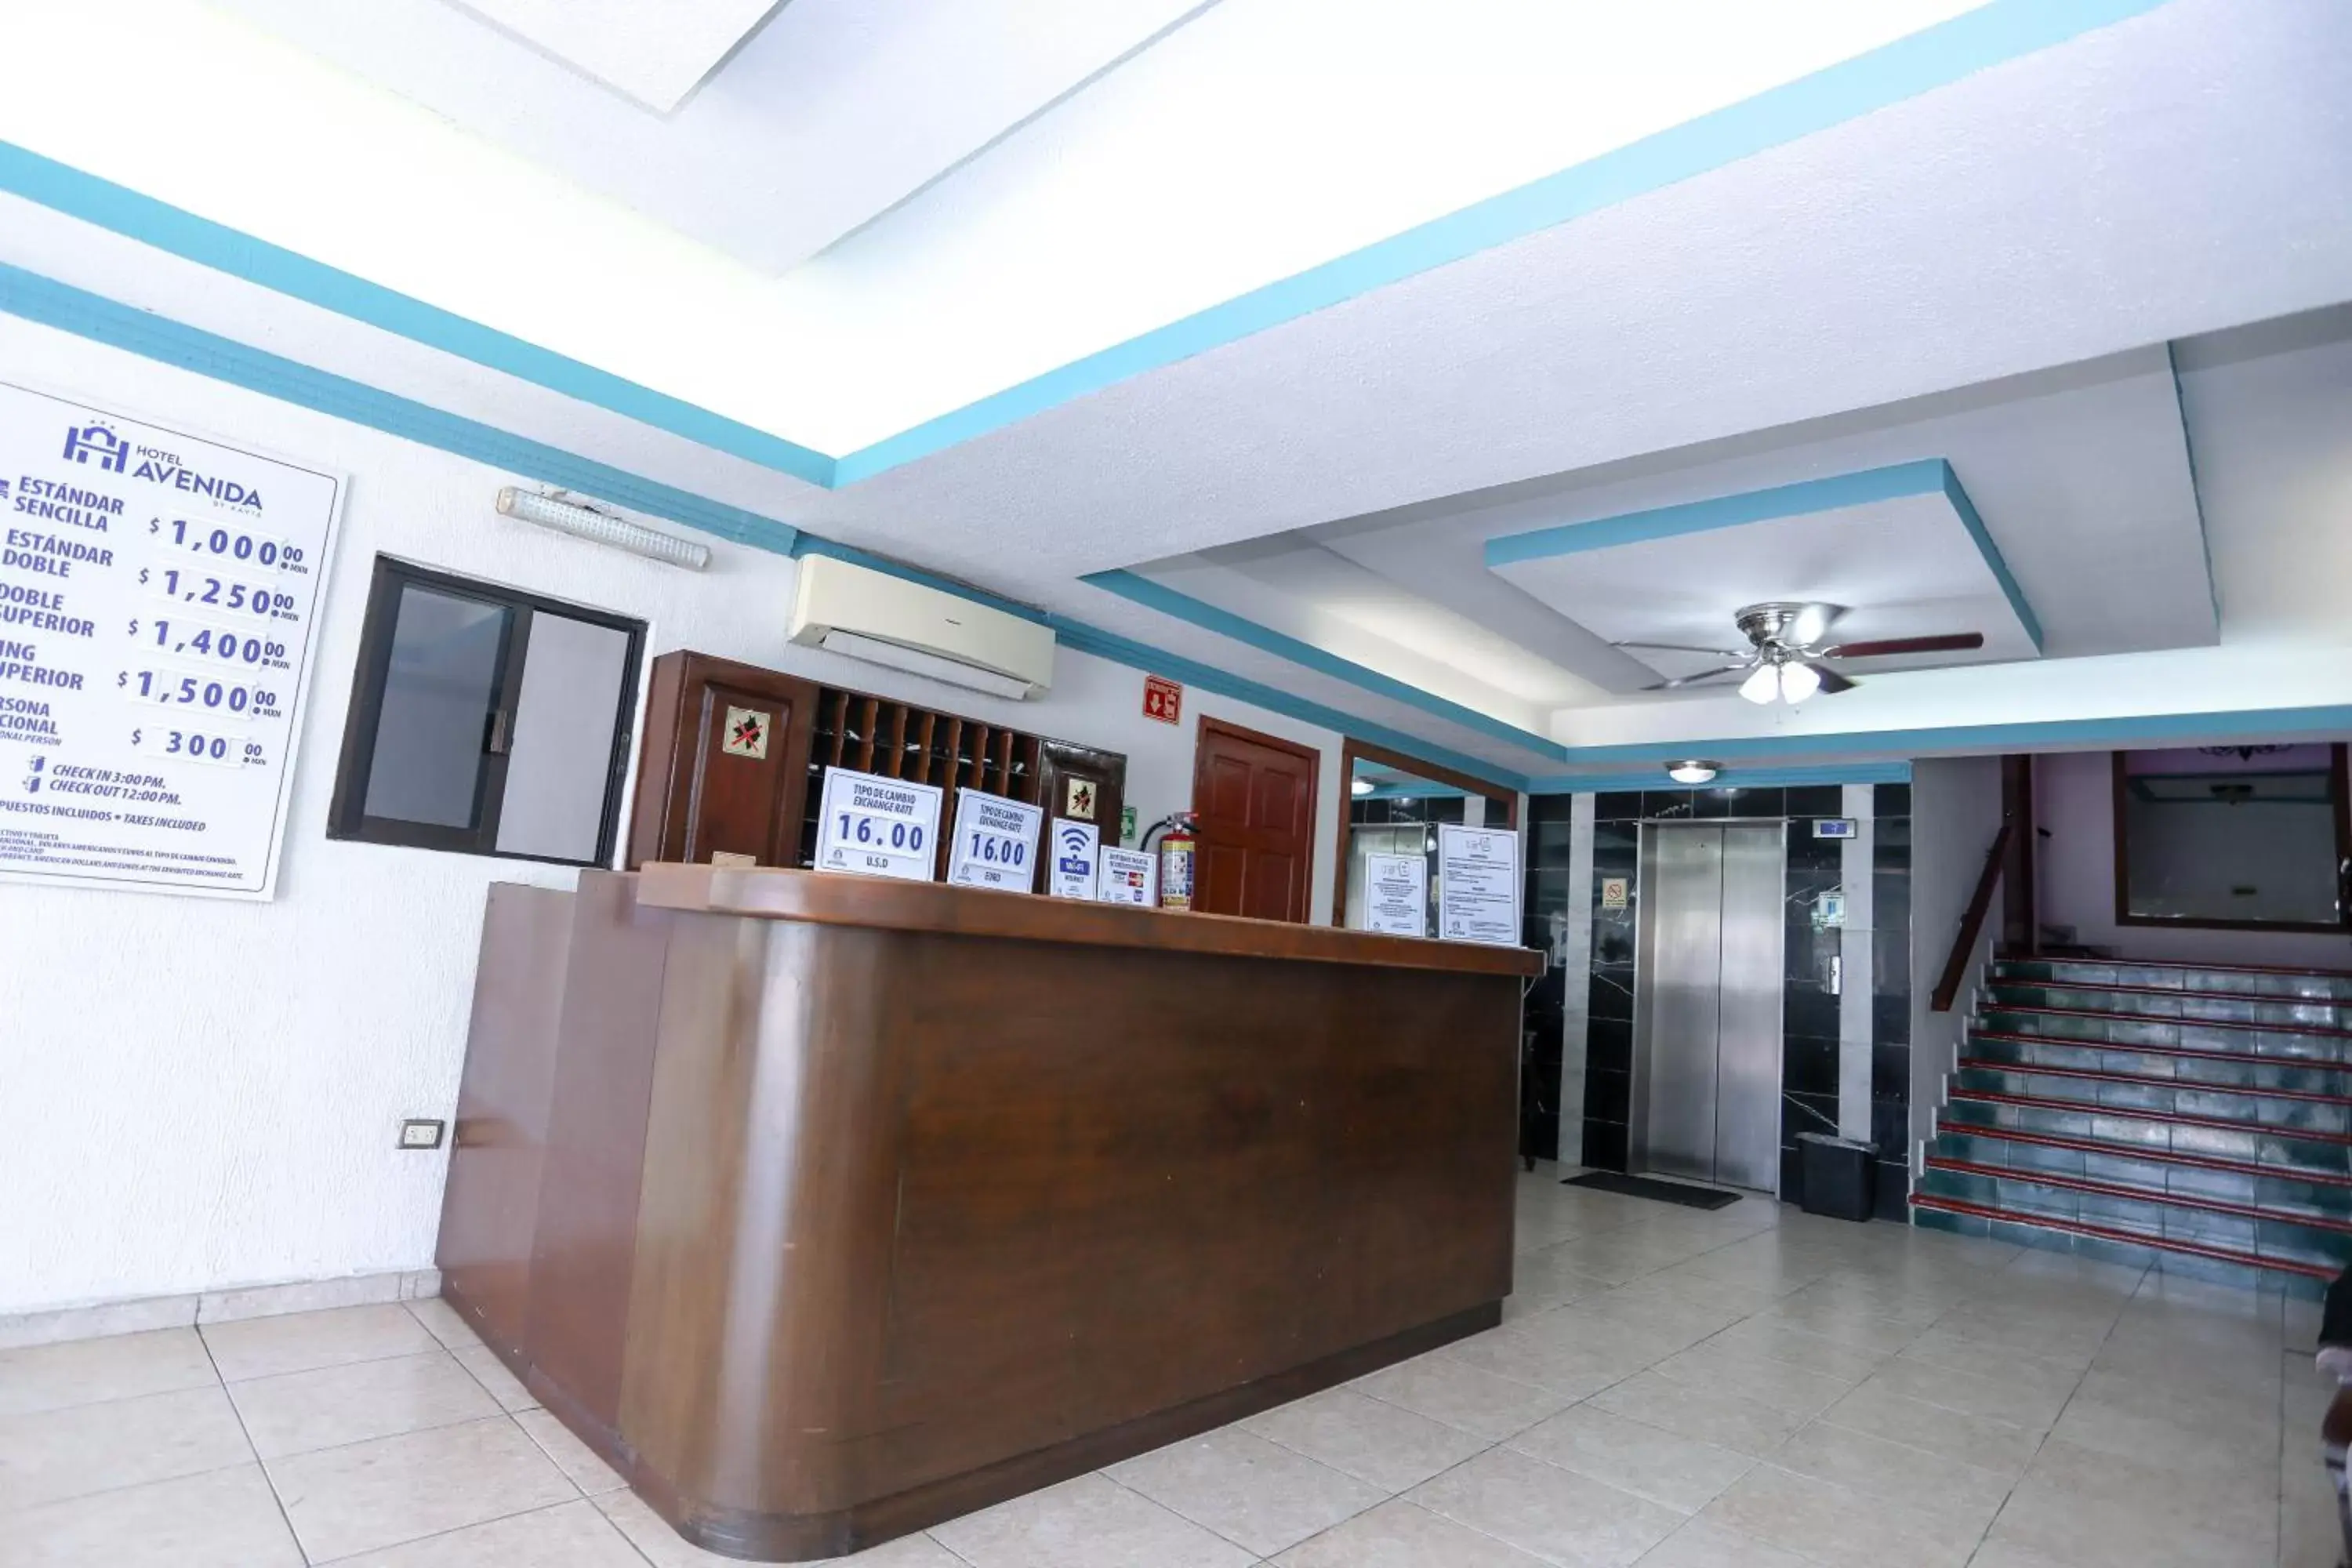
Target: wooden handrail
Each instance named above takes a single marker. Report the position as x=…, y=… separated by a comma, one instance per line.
x=1956, y=967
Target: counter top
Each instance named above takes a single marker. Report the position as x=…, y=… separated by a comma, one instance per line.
x=832, y=898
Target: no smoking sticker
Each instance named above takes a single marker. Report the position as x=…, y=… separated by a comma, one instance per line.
x=746, y=734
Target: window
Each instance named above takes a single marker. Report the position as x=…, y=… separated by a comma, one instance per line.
x=486, y=721
x=2232, y=836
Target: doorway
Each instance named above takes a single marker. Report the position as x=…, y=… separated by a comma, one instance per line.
x=1254, y=804
x=1706, y=1004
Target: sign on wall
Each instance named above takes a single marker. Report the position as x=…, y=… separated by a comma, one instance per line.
x=995, y=842
x=1478, y=885
x=1076, y=844
x=1129, y=876
x=1162, y=699
x=878, y=826
x=1396, y=894
x=157, y=599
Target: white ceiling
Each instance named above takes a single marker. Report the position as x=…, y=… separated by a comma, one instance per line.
x=654, y=55
x=1986, y=273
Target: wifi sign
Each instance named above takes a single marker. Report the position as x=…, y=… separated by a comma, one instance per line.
x=1076, y=844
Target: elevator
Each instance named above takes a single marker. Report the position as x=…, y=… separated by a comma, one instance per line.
x=1706, y=1004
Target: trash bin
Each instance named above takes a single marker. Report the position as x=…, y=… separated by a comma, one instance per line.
x=1837, y=1175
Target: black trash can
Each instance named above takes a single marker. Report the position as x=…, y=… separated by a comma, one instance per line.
x=1838, y=1175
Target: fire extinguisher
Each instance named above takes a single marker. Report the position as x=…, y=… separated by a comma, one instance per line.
x=1176, y=838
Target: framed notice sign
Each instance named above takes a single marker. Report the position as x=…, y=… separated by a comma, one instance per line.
x=878, y=826
x=995, y=842
x=159, y=604
x=1478, y=885
x=1396, y=894
x=1128, y=877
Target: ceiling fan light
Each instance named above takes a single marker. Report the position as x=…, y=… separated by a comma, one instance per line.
x=1691, y=773
x=1762, y=685
x=1799, y=681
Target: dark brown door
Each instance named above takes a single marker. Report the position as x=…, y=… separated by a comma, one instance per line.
x=1254, y=797
x=724, y=762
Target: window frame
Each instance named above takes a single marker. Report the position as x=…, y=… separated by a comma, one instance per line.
x=347, y=818
x=2339, y=783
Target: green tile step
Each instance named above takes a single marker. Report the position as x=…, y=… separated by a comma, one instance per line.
x=2337, y=1071
x=2147, y=1080
x=2335, y=1226
x=2186, y=1006
x=2128, y=1242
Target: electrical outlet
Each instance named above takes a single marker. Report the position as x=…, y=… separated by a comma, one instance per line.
x=416, y=1132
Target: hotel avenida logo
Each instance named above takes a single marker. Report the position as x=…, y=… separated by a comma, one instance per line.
x=96, y=441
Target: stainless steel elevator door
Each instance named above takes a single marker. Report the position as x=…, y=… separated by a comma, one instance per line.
x=1682, y=898
x=1706, y=1075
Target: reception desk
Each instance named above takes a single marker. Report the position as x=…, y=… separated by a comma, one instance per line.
x=827, y=1208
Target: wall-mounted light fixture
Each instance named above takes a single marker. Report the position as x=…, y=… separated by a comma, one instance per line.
x=1692, y=773
x=602, y=528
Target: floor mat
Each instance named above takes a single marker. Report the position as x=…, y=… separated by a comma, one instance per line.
x=1688, y=1196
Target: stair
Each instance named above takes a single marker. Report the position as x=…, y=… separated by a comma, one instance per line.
x=2192, y=1117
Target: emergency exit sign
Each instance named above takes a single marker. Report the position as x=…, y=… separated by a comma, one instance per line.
x=1162, y=699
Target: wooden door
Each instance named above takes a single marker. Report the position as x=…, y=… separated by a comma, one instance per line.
x=1255, y=798
x=724, y=762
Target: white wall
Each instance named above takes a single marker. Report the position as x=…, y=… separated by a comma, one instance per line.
x=2074, y=803
x=1955, y=812
x=204, y=1094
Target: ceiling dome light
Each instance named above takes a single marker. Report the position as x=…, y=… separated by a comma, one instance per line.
x=1762, y=685
x=1360, y=787
x=1691, y=773
x=1799, y=681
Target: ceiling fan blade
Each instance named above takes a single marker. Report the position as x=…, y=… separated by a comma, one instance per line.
x=1685, y=647
x=1831, y=681
x=1955, y=642
x=1702, y=675
x=1811, y=624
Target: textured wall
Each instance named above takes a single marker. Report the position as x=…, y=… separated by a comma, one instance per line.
x=204, y=1093
x=1955, y=812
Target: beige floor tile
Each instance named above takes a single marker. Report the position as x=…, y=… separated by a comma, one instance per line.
x=1726, y=1419
x=363, y=1497
x=1832, y=1525
x=1545, y=1510
x=442, y=1321
x=300, y=1342
x=1991, y=1387
x=1089, y=1522
x=1571, y=1356
x=2096, y=1511
x=1462, y=1395
x=48, y=1455
x=220, y=1519
x=1385, y=1446
x=1400, y=1535
x=1959, y=1497
x=1980, y=1440
x=1777, y=1340
x=1701, y=1543
x=87, y=1371
x=2171, y=1427
x=579, y=1462
x=2309, y=1533
x=20, y=1330
x=295, y=1412
x=1775, y=1383
x=664, y=1548
x=1256, y=1494
x=1680, y=1472
x=1545, y=1278
x=569, y=1535
x=491, y=1372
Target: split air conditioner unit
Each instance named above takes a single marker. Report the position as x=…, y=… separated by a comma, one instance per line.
x=869, y=615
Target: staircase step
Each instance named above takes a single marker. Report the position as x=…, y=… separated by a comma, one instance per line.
x=2249, y=980
x=2336, y=1224
x=2153, y=1080
x=2187, y=1006
x=1970, y=1092
x=2184, y=1053
x=2125, y=1237
x=2107, y=1148
x=2329, y=1031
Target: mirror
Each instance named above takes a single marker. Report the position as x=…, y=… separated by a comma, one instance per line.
x=2230, y=835
x=1395, y=804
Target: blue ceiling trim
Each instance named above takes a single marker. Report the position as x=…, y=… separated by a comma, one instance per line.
x=1976, y=40
x=1896, y=482
x=1224, y=623
x=1730, y=778
x=2196, y=491
x=181, y=233
x=167, y=341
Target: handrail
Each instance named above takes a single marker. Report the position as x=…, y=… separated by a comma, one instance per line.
x=1956, y=967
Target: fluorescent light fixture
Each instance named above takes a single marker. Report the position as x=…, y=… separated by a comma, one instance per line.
x=915, y=661
x=1360, y=787
x=602, y=528
x=1799, y=681
x=1762, y=685
x=1692, y=773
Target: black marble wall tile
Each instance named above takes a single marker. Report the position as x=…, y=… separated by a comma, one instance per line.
x=1604, y=1144
x=1891, y=1195
x=1727, y=802
x=1617, y=806
x=1550, y=892
x=1807, y=853
x=1890, y=1018
x=1810, y=1065
x=1546, y=809
x=1815, y=800
x=1608, y=1045
x=1811, y=1011
x=1890, y=1072
x=1890, y=1126
x=1607, y=1096
x=1806, y=1113
x=1612, y=993
x=1792, y=1175
x=1891, y=800
x=1668, y=804
x=1547, y=845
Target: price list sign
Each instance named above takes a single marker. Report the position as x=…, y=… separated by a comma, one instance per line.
x=158, y=600
x=878, y=826
x=995, y=842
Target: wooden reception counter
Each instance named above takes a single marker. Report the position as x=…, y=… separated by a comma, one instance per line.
x=826, y=1209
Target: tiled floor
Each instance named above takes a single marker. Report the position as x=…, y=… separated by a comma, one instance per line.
x=1750, y=1388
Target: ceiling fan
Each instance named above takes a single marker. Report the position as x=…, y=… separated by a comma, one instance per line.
x=1786, y=652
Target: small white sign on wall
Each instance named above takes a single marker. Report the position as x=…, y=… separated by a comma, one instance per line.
x=1478, y=885
x=995, y=842
x=1076, y=847
x=878, y=826
x=1396, y=894
x=1129, y=876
